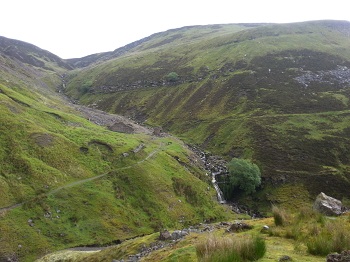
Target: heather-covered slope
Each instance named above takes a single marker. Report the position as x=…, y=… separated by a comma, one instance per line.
x=31, y=54
x=275, y=93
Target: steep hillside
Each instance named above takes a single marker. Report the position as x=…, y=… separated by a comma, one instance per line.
x=275, y=93
x=31, y=54
x=65, y=181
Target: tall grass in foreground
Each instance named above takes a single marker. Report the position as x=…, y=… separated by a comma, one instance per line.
x=333, y=237
x=231, y=249
x=320, y=234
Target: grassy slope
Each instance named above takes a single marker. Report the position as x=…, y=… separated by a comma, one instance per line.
x=44, y=145
x=238, y=96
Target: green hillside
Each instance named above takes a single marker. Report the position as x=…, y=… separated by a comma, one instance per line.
x=275, y=93
x=67, y=182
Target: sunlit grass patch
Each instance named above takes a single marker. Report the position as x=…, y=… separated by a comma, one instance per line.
x=247, y=248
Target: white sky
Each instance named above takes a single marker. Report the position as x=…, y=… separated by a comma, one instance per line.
x=76, y=28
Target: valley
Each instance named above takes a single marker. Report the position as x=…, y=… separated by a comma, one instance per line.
x=111, y=149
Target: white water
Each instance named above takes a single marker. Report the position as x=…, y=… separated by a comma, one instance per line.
x=219, y=193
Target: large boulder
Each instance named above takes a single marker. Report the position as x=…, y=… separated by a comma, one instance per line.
x=327, y=205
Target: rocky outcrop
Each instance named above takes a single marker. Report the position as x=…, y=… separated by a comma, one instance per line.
x=342, y=257
x=327, y=205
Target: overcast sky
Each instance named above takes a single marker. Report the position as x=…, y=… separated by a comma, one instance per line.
x=76, y=28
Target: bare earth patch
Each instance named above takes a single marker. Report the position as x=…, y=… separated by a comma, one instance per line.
x=42, y=139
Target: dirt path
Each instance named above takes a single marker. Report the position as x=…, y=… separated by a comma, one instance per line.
x=79, y=182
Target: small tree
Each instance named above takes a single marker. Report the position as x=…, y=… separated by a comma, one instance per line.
x=244, y=175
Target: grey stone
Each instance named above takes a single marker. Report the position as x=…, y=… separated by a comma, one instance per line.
x=342, y=257
x=239, y=226
x=265, y=229
x=285, y=258
x=31, y=222
x=164, y=235
x=328, y=205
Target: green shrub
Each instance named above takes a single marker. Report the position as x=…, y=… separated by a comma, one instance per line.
x=172, y=77
x=231, y=249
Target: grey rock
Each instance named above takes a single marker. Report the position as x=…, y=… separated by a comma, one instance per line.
x=265, y=229
x=185, y=232
x=178, y=234
x=31, y=222
x=327, y=205
x=239, y=226
x=164, y=235
x=342, y=257
x=285, y=258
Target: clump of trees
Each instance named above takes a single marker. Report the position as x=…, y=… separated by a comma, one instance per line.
x=243, y=175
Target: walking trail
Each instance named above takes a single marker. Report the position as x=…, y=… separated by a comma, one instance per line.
x=79, y=182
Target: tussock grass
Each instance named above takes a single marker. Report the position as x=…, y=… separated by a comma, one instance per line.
x=321, y=235
x=333, y=237
x=280, y=216
x=231, y=249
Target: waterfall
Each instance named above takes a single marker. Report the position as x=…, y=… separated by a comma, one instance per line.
x=214, y=165
x=219, y=193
